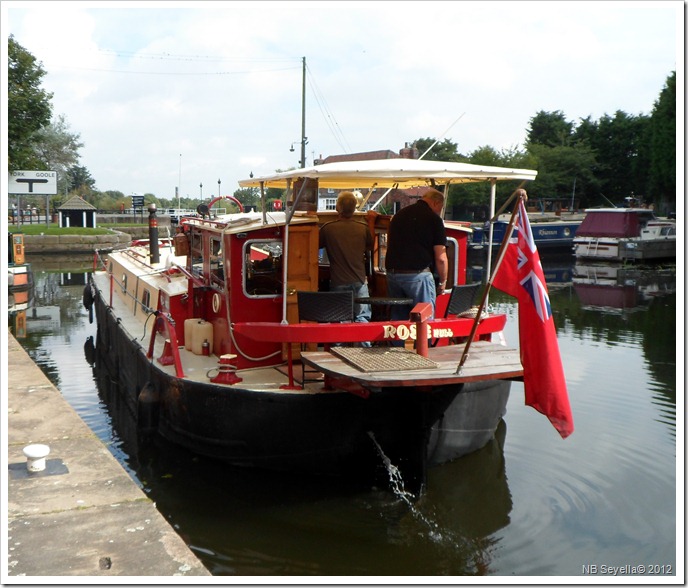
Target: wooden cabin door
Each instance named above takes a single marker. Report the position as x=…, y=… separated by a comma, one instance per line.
x=302, y=271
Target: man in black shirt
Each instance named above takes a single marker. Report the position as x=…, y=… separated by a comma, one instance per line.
x=416, y=247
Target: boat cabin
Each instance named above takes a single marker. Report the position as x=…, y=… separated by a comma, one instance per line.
x=615, y=222
x=236, y=274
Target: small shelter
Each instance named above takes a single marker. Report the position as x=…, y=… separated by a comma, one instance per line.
x=76, y=212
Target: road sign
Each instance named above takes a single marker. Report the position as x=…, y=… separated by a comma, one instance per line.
x=137, y=201
x=32, y=182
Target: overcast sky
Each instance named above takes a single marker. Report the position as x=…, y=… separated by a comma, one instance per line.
x=189, y=93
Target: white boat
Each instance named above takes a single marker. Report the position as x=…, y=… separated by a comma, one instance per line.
x=625, y=234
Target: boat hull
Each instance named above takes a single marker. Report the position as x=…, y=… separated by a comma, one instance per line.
x=550, y=236
x=323, y=432
x=624, y=249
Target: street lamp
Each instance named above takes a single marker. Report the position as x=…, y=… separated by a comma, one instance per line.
x=304, y=142
x=201, y=186
x=218, y=187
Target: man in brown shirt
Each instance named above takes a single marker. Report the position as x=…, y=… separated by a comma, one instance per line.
x=347, y=242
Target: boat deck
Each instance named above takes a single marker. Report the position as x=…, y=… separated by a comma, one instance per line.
x=380, y=367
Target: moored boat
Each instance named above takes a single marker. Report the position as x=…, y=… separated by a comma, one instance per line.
x=625, y=234
x=205, y=332
x=549, y=231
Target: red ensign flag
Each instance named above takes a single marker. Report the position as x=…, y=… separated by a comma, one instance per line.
x=521, y=276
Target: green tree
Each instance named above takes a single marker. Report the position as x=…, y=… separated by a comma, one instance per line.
x=81, y=183
x=445, y=150
x=471, y=201
x=662, y=146
x=618, y=143
x=564, y=172
x=28, y=106
x=550, y=129
x=57, y=149
x=248, y=197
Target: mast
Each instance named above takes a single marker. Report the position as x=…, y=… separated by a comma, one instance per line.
x=303, y=116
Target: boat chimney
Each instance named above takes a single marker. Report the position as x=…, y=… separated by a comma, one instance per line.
x=153, y=234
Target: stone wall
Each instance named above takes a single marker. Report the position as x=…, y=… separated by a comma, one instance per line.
x=40, y=244
x=116, y=239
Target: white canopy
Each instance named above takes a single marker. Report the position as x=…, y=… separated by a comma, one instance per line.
x=386, y=173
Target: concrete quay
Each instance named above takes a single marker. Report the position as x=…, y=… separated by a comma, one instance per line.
x=82, y=515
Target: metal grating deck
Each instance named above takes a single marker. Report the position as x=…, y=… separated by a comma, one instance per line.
x=383, y=359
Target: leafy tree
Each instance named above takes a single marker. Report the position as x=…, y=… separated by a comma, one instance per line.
x=471, y=201
x=618, y=143
x=28, y=106
x=445, y=150
x=57, y=149
x=564, y=172
x=81, y=182
x=550, y=129
x=248, y=196
x=662, y=146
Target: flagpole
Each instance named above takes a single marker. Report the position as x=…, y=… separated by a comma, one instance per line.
x=520, y=195
x=508, y=201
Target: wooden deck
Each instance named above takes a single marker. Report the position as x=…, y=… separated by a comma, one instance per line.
x=486, y=361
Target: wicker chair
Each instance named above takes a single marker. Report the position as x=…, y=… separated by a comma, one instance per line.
x=462, y=298
x=324, y=307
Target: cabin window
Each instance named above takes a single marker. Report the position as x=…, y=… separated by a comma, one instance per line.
x=145, y=300
x=124, y=283
x=217, y=267
x=262, y=268
x=196, y=257
x=452, y=261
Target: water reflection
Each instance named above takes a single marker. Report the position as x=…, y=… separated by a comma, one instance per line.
x=619, y=289
x=209, y=505
x=523, y=505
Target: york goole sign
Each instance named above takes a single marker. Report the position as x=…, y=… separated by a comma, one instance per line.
x=32, y=182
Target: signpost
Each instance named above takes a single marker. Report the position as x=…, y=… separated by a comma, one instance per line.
x=137, y=204
x=35, y=183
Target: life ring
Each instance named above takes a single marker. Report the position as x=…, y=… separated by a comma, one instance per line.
x=216, y=302
x=231, y=198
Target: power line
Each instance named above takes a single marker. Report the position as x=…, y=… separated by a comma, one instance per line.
x=172, y=73
x=327, y=114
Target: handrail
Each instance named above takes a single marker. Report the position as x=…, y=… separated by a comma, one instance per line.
x=174, y=342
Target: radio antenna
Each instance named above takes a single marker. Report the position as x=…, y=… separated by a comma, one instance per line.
x=441, y=136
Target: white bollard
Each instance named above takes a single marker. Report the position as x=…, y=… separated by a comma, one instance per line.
x=35, y=456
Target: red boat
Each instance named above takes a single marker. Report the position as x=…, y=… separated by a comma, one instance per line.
x=206, y=333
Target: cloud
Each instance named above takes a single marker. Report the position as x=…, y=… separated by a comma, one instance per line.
x=221, y=82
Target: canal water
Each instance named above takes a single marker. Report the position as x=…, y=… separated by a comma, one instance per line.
x=599, y=504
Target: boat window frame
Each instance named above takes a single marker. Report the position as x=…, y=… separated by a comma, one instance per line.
x=247, y=265
x=452, y=260
x=195, y=257
x=216, y=270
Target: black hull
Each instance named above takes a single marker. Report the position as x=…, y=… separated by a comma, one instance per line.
x=325, y=433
